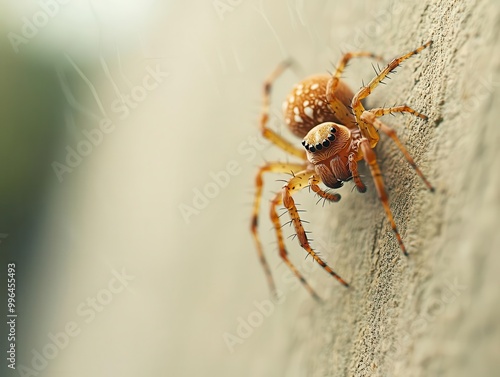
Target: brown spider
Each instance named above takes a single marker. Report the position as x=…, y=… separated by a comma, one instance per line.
x=337, y=133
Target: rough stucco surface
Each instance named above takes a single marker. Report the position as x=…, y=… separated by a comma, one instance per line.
x=436, y=313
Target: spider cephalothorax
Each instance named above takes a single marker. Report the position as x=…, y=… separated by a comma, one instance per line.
x=337, y=133
x=328, y=146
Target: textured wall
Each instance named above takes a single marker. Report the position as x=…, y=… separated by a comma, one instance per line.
x=436, y=313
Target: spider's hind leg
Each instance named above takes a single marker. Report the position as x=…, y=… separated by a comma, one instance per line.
x=343, y=64
x=269, y=134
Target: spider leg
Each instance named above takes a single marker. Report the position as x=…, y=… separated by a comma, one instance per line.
x=353, y=167
x=369, y=117
x=371, y=160
x=368, y=130
x=297, y=183
x=269, y=134
x=272, y=167
x=343, y=63
x=300, y=181
x=289, y=204
x=336, y=91
x=313, y=184
x=381, y=111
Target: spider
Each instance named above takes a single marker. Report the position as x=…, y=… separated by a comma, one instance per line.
x=337, y=133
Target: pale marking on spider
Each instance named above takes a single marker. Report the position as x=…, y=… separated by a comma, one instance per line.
x=309, y=111
x=337, y=133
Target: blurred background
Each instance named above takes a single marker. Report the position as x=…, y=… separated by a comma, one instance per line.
x=128, y=147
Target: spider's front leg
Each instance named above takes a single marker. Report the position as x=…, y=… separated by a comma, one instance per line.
x=371, y=160
x=353, y=167
x=367, y=130
x=338, y=95
x=370, y=118
x=369, y=127
x=298, y=182
x=272, y=167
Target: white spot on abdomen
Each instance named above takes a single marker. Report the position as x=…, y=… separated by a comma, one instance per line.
x=309, y=112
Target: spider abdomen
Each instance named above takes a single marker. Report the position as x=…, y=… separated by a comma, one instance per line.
x=306, y=106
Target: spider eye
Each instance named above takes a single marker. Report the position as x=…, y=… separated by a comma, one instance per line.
x=326, y=144
x=333, y=130
x=319, y=147
x=331, y=137
x=312, y=149
x=304, y=143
